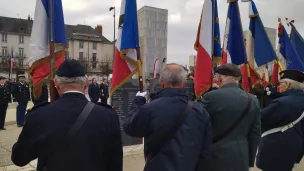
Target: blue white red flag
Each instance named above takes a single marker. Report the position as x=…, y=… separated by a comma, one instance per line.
x=234, y=48
x=260, y=43
x=125, y=61
x=288, y=51
x=39, y=50
x=297, y=41
x=204, y=45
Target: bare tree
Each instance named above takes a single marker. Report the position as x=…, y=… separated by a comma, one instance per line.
x=105, y=68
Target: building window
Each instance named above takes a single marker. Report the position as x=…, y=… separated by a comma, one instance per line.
x=21, y=39
x=94, y=61
x=4, y=37
x=94, y=45
x=81, y=44
x=80, y=56
x=4, y=51
x=21, y=50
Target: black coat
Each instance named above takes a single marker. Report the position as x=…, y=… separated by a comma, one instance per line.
x=96, y=147
x=191, y=142
x=44, y=97
x=104, y=90
x=5, y=94
x=94, y=92
x=21, y=93
x=280, y=151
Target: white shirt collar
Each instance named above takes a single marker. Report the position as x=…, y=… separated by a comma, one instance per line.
x=72, y=92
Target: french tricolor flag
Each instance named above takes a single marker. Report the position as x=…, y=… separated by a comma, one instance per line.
x=125, y=60
x=39, y=50
x=204, y=46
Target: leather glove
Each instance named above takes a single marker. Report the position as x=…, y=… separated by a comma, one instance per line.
x=141, y=94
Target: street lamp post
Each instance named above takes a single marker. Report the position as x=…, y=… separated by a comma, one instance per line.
x=113, y=8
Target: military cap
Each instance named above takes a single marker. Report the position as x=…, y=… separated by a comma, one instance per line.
x=293, y=75
x=21, y=76
x=229, y=70
x=2, y=78
x=70, y=68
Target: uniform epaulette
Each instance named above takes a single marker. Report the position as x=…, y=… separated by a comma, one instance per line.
x=39, y=105
x=105, y=105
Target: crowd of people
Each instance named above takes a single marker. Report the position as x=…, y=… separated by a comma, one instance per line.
x=21, y=93
x=226, y=130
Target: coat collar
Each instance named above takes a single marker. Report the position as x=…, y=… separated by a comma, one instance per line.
x=230, y=85
x=171, y=92
x=73, y=95
x=293, y=92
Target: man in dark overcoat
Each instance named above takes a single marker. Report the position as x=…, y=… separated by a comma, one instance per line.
x=44, y=96
x=5, y=98
x=236, y=133
x=21, y=95
x=97, y=145
x=94, y=91
x=104, y=87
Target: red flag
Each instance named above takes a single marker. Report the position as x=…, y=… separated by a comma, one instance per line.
x=254, y=77
x=203, y=45
x=265, y=79
x=275, y=74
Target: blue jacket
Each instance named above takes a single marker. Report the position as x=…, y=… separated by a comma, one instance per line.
x=94, y=92
x=191, y=142
x=280, y=151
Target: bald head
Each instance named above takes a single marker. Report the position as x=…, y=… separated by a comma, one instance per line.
x=173, y=76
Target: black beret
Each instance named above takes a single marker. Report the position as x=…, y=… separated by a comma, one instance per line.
x=229, y=70
x=70, y=68
x=2, y=78
x=293, y=75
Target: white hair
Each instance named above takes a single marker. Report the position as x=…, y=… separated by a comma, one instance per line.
x=75, y=81
x=229, y=79
x=173, y=77
x=293, y=85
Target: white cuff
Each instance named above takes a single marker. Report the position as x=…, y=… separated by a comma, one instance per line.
x=141, y=94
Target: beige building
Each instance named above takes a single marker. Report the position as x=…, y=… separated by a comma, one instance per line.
x=192, y=61
x=86, y=44
x=153, y=37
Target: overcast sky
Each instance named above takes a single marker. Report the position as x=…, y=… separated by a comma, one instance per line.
x=183, y=17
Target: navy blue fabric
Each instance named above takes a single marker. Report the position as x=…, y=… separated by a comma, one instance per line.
x=96, y=147
x=94, y=92
x=21, y=108
x=190, y=144
x=280, y=151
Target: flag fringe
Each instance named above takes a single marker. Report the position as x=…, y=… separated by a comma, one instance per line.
x=113, y=89
x=45, y=60
x=198, y=95
x=126, y=58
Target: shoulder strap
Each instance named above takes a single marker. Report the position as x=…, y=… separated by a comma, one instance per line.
x=158, y=142
x=73, y=130
x=228, y=131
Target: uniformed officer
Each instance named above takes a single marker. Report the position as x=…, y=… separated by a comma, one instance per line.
x=94, y=91
x=104, y=91
x=21, y=95
x=97, y=145
x=5, y=98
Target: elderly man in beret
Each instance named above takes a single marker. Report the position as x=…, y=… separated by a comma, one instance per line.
x=235, y=119
x=70, y=133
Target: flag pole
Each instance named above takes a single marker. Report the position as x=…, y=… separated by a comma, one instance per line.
x=246, y=63
x=139, y=67
x=52, y=55
x=10, y=66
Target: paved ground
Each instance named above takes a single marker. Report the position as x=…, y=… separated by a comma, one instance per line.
x=133, y=155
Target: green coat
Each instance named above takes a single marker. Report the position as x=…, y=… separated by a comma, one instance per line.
x=237, y=150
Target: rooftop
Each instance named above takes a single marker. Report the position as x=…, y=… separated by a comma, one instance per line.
x=24, y=26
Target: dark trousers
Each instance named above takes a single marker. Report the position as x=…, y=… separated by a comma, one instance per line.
x=3, y=109
x=104, y=99
x=21, y=109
